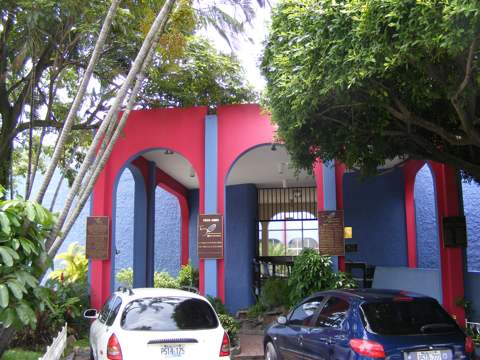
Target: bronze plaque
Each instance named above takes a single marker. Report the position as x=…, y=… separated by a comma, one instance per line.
x=210, y=236
x=331, y=233
x=98, y=238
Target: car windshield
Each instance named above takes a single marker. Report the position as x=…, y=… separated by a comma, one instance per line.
x=168, y=314
x=411, y=317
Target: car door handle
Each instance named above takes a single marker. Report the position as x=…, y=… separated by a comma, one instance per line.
x=300, y=339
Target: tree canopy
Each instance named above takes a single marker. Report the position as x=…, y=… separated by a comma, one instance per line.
x=363, y=81
x=45, y=46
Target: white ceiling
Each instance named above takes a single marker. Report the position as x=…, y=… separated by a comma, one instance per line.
x=176, y=166
x=267, y=168
x=260, y=166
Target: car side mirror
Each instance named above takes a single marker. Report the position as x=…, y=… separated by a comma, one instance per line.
x=90, y=314
x=282, y=320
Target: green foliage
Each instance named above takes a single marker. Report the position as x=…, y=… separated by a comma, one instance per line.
x=20, y=354
x=217, y=304
x=202, y=76
x=363, y=81
x=68, y=293
x=312, y=272
x=188, y=276
x=75, y=265
x=231, y=326
x=256, y=310
x=165, y=280
x=125, y=277
x=275, y=293
x=24, y=227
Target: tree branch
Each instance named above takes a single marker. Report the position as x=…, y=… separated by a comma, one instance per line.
x=53, y=124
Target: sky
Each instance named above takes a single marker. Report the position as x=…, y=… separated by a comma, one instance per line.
x=248, y=52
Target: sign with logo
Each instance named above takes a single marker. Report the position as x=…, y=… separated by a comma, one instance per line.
x=98, y=238
x=210, y=236
x=331, y=233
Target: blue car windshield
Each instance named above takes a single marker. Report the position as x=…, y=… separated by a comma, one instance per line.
x=413, y=317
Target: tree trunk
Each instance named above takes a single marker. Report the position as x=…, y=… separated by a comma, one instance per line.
x=6, y=152
x=6, y=335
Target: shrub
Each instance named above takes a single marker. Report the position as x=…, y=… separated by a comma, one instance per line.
x=274, y=293
x=312, y=272
x=125, y=277
x=188, y=276
x=165, y=280
x=217, y=304
x=231, y=326
x=256, y=310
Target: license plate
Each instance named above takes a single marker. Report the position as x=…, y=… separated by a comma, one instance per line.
x=172, y=351
x=430, y=355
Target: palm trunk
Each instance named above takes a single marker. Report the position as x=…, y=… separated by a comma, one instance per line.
x=156, y=31
x=57, y=190
x=6, y=152
x=111, y=116
x=35, y=164
x=77, y=101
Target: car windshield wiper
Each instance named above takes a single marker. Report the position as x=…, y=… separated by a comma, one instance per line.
x=437, y=326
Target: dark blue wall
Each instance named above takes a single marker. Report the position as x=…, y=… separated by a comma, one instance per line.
x=428, y=244
x=375, y=208
x=240, y=240
x=193, y=205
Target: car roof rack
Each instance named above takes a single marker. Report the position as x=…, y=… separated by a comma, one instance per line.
x=125, y=289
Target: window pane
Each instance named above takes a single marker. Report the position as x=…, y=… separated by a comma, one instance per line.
x=408, y=317
x=310, y=225
x=107, y=307
x=293, y=225
x=333, y=313
x=168, y=314
x=303, y=314
x=113, y=314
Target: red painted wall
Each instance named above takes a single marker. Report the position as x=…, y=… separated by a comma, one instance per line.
x=181, y=130
x=240, y=128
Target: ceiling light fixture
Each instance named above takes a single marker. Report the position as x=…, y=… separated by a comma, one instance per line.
x=168, y=152
x=192, y=172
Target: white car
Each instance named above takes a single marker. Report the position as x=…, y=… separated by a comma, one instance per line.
x=157, y=324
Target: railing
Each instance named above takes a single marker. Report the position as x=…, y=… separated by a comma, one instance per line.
x=55, y=351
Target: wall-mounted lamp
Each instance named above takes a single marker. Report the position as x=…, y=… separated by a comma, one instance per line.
x=274, y=147
x=168, y=152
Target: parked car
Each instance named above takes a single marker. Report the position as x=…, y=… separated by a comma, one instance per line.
x=367, y=323
x=157, y=324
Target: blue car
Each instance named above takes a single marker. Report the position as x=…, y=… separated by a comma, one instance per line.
x=364, y=324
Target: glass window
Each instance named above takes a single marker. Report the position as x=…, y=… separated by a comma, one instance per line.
x=107, y=307
x=168, y=314
x=304, y=314
x=419, y=316
x=113, y=314
x=333, y=313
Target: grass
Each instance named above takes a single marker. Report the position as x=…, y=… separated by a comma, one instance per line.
x=19, y=354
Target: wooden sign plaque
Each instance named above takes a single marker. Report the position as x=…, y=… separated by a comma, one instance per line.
x=331, y=233
x=210, y=236
x=98, y=238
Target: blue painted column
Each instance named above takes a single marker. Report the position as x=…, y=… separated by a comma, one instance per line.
x=330, y=195
x=139, y=229
x=150, y=256
x=211, y=175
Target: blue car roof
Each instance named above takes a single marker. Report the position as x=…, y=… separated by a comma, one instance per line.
x=373, y=294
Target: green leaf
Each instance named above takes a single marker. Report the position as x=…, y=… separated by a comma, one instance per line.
x=6, y=257
x=26, y=314
x=16, y=289
x=41, y=213
x=3, y=296
x=28, y=278
x=5, y=223
x=30, y=211
x=7, y=317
